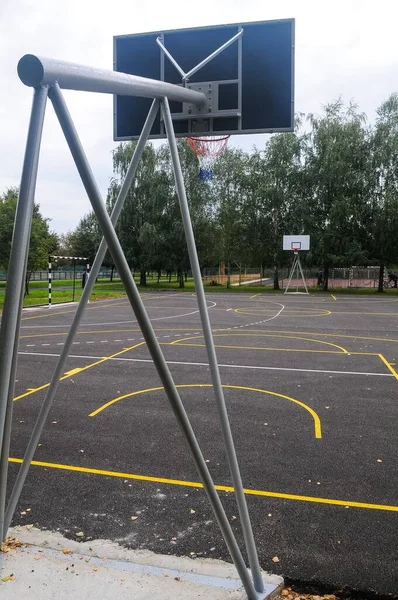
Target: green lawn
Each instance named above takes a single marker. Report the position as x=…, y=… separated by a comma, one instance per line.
x=104, y=289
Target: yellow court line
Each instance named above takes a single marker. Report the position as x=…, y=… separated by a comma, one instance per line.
x=256, y=335
x=317, y=421
x=219, y=488
x=78, y=370
x=338, y=335
x=334, y=297
x=260, y=348
x=255, y=295
x=389, y=366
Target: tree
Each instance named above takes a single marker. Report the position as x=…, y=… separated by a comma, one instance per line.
x=85, y=239
x=229, y=195
x=337, y=176
x=274, y=185
x=383, y=210
x=42, y=241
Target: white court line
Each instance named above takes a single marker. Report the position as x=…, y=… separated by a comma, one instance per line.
x=200, y=364
x=118, y=322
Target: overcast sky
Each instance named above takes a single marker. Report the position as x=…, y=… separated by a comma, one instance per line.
x=346, y=48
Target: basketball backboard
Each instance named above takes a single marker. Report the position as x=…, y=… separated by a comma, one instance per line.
x=296, y=242
x=246, y=71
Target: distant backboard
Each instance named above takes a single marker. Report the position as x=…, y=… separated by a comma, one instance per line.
x=296, y=242
x=248, y=78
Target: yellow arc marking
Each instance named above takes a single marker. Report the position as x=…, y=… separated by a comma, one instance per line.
x=317, y=421
x=78, y=370
x=220, y=488
x=257, y=335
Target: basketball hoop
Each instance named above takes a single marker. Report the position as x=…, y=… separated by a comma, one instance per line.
x=207, y=150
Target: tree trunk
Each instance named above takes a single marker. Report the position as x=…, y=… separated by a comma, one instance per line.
x=380, y=289
x=181, y=278
x=159, y=274
x=186, y=275
x=27, y=279
x=228, y=275
x=325, y=278
x=276, y=278
x=143, y=276
x=112, y=269
x=169, y=274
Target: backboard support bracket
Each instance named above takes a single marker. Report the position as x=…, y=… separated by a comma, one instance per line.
x=210, y=108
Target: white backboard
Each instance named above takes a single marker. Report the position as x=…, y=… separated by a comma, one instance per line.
x=296, y=242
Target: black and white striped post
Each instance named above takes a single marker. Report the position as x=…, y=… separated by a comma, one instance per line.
x=49, y=281
x=74, y=258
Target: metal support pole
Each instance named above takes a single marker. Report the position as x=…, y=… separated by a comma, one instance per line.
x=148, y=333
x=49, y=282
x=211, y=352
x=74, y=280
x=301, y=271
x=11, y=317
x=60, y=367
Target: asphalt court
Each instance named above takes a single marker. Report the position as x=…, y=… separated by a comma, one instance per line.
x=311, y=390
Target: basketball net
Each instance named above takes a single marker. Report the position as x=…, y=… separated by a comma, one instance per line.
x=207, y=150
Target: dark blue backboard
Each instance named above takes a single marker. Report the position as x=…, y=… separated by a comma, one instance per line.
x=254, y=77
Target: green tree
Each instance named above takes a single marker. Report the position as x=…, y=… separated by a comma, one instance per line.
x=337, y=180
x=42, y=241
x=382, y=223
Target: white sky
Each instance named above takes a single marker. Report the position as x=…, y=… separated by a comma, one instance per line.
x=345, y=47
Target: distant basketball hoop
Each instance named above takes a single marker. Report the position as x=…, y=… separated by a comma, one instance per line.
x=296, y=243
x=207, y=150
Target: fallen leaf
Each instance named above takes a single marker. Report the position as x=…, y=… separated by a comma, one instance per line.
x=122, y=579
x=8, y=578
x=192, y=511
x=95, y=568
x=54, y=422
x=28, y=509
x=40, y=549
x=275, y=559
x=284, y=592
x=233, y=518
x=10, y=544
x=79, y=534
x=28, y=526
x=87, y=559
x=379, y=460
x=177, y=578
x=66, y=551
x=134, y=518
x=37, y=557
x=23, y=512
x=166, y=575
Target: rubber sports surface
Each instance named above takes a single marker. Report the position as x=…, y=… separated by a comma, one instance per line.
x=311, y=389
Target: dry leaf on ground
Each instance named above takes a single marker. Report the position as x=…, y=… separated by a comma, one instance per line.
x=275, y=559
x=8, y=578
x=66, y=551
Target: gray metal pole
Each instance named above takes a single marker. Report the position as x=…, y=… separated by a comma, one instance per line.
x=37, y=70
x=148, y=332
x=60, y=367
x=11, y=317
x=211, y=352
x=5, y=449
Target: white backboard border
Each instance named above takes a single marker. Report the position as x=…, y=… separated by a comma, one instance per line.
x=296, y=242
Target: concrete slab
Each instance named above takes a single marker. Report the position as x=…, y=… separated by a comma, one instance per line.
x=49, y=566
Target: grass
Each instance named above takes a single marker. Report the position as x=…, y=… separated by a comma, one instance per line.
x=105, y=289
